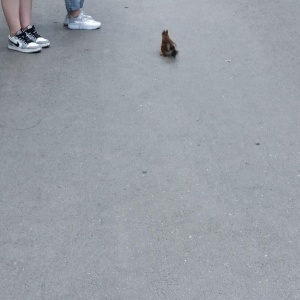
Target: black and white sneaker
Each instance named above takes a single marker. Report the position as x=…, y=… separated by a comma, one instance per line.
x=21, y=42
x=35, y=37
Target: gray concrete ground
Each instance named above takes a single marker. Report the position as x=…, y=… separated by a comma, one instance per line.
x=125, y=175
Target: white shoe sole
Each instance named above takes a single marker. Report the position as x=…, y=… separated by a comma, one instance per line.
x=24, y=50
x=44, y=45
x=74, y=26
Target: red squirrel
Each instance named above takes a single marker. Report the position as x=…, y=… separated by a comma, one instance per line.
x=168, y=47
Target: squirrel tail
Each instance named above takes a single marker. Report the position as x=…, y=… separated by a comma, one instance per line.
x=174, y=53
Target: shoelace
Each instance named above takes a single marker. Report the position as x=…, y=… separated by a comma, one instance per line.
x=84, y=17
x=88, y=17
x=24, y=38
x=32, y=32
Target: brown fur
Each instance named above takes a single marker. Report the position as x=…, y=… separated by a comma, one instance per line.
x=168, y=47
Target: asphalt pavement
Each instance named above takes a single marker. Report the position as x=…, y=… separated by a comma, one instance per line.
x=125, y=175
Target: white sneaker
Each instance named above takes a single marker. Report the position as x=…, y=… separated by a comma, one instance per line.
x=82, y=21
x=21, y=42
x=67, y=19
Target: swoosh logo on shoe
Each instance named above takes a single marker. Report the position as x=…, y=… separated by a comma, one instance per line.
x=16, y=44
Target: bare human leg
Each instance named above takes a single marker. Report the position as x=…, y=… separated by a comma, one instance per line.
x=25, y=13
x=11, y=9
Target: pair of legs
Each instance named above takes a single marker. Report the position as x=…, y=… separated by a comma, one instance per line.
x=22, y=34
x=17, y=14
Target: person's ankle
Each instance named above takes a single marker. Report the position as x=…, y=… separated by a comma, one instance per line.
x=75, y=13
x=15, y=33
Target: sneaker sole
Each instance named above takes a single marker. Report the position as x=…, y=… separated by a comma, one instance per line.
x=24, y=50
x=44, y=45
x=76, y=27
